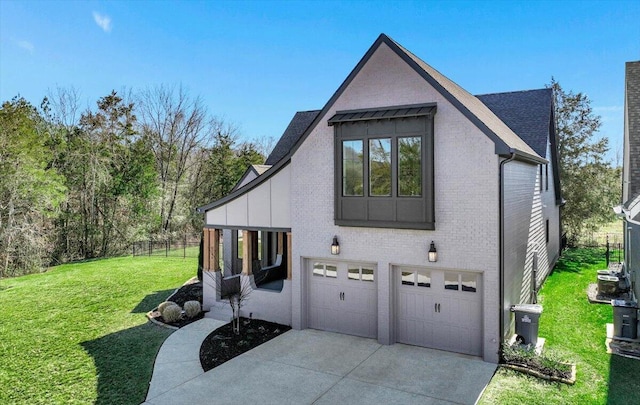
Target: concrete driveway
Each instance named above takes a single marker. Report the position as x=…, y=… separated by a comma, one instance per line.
x=315, y=367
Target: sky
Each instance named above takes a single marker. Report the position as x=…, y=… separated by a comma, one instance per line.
x=254, y=64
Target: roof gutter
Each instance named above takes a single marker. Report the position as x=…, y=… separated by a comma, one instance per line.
x=513, y=153
x=511, y=158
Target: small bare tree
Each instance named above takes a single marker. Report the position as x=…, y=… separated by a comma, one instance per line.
x=175, y=125
x=234, y=290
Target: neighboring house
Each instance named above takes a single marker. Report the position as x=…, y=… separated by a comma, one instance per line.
x=398, y=158
x=630, y=208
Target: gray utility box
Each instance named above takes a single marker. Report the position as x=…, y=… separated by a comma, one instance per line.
x=527, y=317
x=625, y=319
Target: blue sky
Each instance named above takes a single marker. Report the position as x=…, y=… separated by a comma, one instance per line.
x=256, y=63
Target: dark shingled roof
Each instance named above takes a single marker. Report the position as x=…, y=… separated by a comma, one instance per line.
x=292, y=134
x=527, y=113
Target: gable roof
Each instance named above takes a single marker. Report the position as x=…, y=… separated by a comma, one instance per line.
x=298, y=125
x=256, y=170
x=506, y=141
x=476, y=111
x=527, y=113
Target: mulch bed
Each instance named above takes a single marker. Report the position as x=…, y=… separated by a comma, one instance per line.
x=190, y=291
x=222, y=344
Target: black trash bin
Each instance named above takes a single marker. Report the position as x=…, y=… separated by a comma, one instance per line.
x=527, y=318
x=625, y=319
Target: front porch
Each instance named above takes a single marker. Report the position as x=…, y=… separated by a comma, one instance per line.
x=256, y=263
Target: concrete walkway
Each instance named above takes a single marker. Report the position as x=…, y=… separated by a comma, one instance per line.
x=315, y=367
x=178, y=359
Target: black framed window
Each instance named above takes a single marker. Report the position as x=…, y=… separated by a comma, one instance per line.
x=410, y=166
x=380, y=167
x=384, y=167
x=352, y=168
x=546, y=230
x=546, y=177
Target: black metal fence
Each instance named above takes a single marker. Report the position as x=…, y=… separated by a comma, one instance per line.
x=611, y=243
x=186, y=246
x=614, y=251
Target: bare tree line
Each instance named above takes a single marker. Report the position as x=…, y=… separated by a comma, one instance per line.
x=81, y=183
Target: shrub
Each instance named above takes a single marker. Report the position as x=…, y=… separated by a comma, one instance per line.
x=164, y=305
x=550, y=363
x=191, y=308
x=172, y=313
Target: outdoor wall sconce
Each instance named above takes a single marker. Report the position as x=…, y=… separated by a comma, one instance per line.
x=335, y=246
x=433, y=253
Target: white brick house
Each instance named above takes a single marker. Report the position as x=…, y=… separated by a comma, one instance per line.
x=399, y=157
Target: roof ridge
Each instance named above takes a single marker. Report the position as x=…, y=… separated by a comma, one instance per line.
x=512, y=91
x=470, y=105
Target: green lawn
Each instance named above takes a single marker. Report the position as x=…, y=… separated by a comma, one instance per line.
x=78, y=333
x=576, y=330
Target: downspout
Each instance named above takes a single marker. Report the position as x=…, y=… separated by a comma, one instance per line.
x=501, y=247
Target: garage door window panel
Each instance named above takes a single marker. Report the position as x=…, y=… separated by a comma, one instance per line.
x=359, y=273
x=367, y=274
x=469, y=283
x=325, y=270
x=451, y=281
x=424, y=280
x=416, y=278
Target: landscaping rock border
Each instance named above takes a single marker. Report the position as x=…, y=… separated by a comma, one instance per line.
x=154, y=315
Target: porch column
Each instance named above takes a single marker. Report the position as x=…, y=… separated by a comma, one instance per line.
x=211, y=250
x=280, y=243
x=214, y=249
x=255, y=253
x=289, y=261
x=205, y=249
x=247, y=252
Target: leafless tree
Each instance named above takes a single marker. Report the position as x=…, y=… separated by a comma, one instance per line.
x=234, y=290
x=175, y=125
x=264, y=145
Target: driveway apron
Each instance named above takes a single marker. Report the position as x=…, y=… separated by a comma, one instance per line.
x=316, y=367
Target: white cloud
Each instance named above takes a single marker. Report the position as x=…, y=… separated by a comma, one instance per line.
x=103, y=21
x=26, y=45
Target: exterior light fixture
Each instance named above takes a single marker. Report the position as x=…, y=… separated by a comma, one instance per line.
x=335, y=246
x=433, y=253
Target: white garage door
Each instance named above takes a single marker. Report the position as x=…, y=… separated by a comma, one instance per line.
x=342, y=298
x=439, y=309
